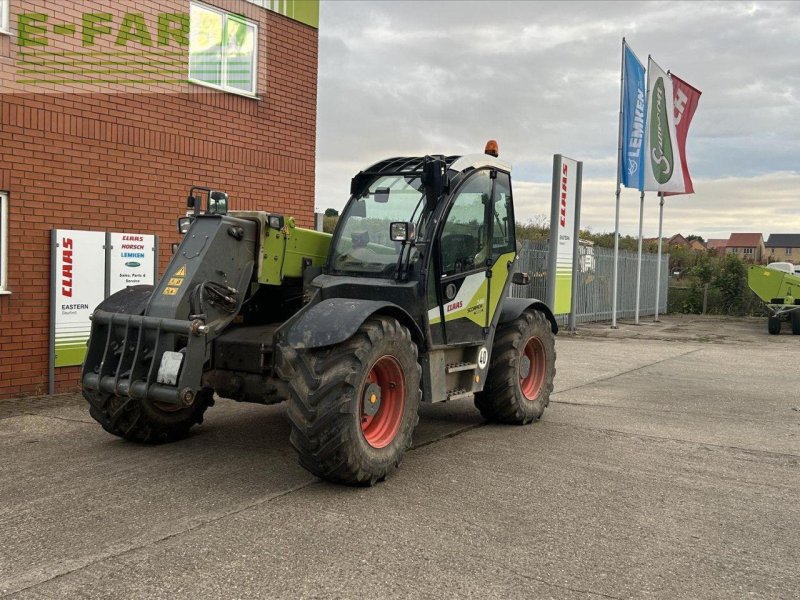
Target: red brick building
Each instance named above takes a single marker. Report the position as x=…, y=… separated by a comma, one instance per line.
x=747, y=246
x=110, y=111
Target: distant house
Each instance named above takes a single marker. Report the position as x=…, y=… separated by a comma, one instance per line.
x=717, y=244
x=783, y=247
x=697, y=245
x=678, y=241
x=748, y=246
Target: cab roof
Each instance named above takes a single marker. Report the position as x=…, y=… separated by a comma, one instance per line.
x=413, y=164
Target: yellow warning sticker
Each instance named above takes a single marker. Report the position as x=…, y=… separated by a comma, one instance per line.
x=175, y=281
x=170, y=291
x=180, y=272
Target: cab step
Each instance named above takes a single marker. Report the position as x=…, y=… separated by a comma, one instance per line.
x=459, y=394
x=461, y=366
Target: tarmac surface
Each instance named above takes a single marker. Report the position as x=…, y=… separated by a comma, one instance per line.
x=667, y=465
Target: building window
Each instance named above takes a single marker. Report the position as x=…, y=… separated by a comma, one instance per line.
x=223, y=50
x=3, y=242
x=4, y=16
x=748, y=250
x=788, y=252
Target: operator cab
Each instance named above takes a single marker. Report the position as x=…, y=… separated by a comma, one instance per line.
x=441, y=227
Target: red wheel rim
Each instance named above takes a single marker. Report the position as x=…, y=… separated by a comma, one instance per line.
x=531, y=383
x=381, y=428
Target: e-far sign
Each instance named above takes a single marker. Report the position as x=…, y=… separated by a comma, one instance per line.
x=564, y=232
x=131, y=260
x=78, y=280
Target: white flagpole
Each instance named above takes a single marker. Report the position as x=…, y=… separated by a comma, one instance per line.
x=639, y=261
x=658, y=264
x=619, y=175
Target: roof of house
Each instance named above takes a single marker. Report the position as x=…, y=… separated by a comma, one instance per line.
x=716, y=243
x=783, y=240
x=744, y=240
x=677, y=239
x=697, y=245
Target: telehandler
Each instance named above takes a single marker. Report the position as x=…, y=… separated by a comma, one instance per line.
x=407, y=301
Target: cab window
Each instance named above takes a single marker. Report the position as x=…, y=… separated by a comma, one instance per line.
x=465, y=235
x=502, y=217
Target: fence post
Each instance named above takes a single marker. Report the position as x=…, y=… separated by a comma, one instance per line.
x=705, y=298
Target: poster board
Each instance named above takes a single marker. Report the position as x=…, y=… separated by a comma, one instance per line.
x=86, y=268
x=78, y=286
x=131, y=260
x=564, y=232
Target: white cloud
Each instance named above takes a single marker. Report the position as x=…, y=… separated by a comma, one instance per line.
x=765, y=203
x=412, y=78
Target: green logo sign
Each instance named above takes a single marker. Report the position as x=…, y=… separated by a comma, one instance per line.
x=133, y=264
x=660, y=142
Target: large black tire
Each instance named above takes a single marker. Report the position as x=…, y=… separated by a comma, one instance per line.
x=140, y=420
x=145, y=421
x=521, y=371
x=329, y=389
x=774, y=325
x=796, y=322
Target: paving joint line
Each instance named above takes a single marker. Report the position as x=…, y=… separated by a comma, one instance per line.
x=30, y=414
x=629, y=371
x=201, y=523
x=561, y=586
x=682, y=441
x=158, y=539
x=659, y=412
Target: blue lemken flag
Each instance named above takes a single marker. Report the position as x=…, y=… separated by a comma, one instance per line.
x=634, y=117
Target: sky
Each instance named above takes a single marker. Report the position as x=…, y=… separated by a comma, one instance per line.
x=407, y=78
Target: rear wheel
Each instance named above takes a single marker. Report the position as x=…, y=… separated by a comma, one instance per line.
x=521, y=373
x=353, y=406
x=774, y=324
x=796, y=321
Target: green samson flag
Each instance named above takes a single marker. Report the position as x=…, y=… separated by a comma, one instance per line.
x=663, y=172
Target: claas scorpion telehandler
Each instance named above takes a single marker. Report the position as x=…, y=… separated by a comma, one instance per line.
x=407, y=301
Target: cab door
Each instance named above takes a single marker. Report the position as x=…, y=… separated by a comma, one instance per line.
x=458, y=313
x=503, y=241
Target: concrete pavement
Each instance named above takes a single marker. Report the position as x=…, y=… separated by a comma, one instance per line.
x=666, y=466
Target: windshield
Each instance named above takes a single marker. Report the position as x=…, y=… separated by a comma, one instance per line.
x=364, y=245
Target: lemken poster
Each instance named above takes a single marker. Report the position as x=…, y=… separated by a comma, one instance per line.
x=79, y=278
x=131, y=260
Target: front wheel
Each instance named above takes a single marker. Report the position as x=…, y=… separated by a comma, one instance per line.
x=521, y=373
x=796, y=321
x=774, y=325
x=145, y=421
x=353, y=406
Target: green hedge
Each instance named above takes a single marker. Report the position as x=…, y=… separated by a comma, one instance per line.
x=728, y=292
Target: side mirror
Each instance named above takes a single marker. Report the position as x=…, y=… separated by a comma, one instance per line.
x=183, y=225
x=402, y=232
x=218, y=203
x=520, y=278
